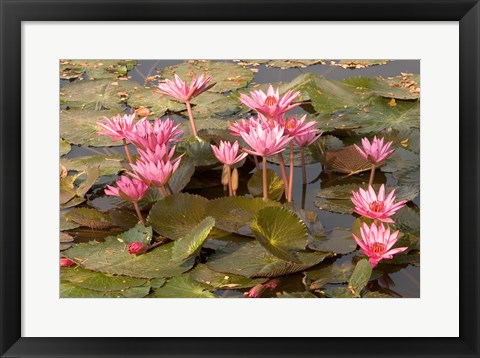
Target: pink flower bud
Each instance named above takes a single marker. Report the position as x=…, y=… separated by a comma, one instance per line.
x=64, y=262
x=137, y=248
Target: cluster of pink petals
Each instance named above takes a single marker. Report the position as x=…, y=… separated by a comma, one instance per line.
x=241, y=126
x=118, y=127
x=181, y=90
x=137, y=248
x=304, y=140
x=297, y=127
x=377, y=242
x=375, y=152
x=148, y=136
x=227, y=153
x=265, y=141
x=378, y=207
x=128, y=189
x=258, y=290
x=270, y=104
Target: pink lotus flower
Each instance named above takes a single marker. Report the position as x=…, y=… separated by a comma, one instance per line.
x=118, y=127
x=64, y=262
x=304, y=140
x=377, y=242
x=257, y=290
x=227, y=153
x=145, y=135
x=241, y=126
x=265, y=141
x=375, y=152
x=181, y=90
x=270, y=104
x=161, y=152
x=157, y=173
x=297, y=127
x=374, y=206
x=137, y=248
x=128, y=189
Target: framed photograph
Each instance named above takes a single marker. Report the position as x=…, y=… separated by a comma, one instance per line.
x=179, y=178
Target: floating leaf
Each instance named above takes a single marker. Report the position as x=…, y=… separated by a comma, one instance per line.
x=407, y=220
x=65, y=147
x=285, y=64
x=139, y=233
x=355, y=64
x=201, y=153
x=280, y=231
x=65, y=223
x=176, y=215
x=385, y=87
x=340, y=292
x=211, y=105
x=346, y=160
x=375, y=294
x=360, y=276
x=181, y=177
x=252, y=260
x=330, y=273
x=201, y=273
x=80, y=127
x=274, y=184
x=97, y=69
x=191, y=242
x=182, y=287
x=157, y=103
x=108, y=164
x=234, y=214
x=98, y=281
x=112, y=257
x=69, y=290
x=401, y=160
x=227, y=76
x=339, y=241
x=336, y=198
x=92, y=173
x=91, y=218
x=304, y=294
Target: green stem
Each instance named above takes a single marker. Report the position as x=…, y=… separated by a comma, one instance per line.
x=372, y=175
x=139, y=214
x=265, y=182
x=283, y=169
x=127, y=152
x=190, y=116
x=304, y=169
x=290, y=180
x=257, y=166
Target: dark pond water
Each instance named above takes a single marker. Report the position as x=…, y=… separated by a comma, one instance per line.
x=402, y=281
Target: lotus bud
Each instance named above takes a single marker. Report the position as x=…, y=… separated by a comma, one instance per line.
x=225, y=177
x=64, y=262
x=255, y=291
x=137, y=248
x=234, y=181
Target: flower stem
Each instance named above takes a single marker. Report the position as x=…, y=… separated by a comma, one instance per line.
x=283, y=169
x=265, y=182
x=161, y=190
x=229, y=176
x=304, y=169
x=168, y=189
x=372, y=175
x=257, y=166
x=139, y=214
x=190, y=116
x=127, y=152
x=290, y=181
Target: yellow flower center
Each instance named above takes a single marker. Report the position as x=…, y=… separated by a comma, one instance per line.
x=377, y=247
x=270, y=101
x=377, y=206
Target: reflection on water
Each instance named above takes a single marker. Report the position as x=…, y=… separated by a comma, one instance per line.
x=401, y=282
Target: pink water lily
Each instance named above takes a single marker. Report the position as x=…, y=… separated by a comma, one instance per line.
x=375, y=152
x=265, y=141
x=377, y=242
x=157, y=173
x=297, y=127
x=378, y=207
x=148, y=136
x=227, y=153
x=241, y=126
x=270, y=104
x=304, y=140
x=182, y=91
x=130, y=189
x=118, y=126
x=161, y=152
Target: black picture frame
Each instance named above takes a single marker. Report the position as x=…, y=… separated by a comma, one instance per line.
x=13, y=12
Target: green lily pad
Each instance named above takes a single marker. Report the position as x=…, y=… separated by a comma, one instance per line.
x=355, y=64
x=191, y=243
x=157, y=103
x=304, y=294
x=205, y=124
x=69, y=290
x=108, y=164
x=401, y=160
x=96, y=69
x=94, y=95
x=67, y=189
x=98, y=281
x=253, y=260
x=176, y=215
x=201, y=273
x=339, y=241
x=331, y=273
x=227, y=76
x=91, y=218
x=92, y=175
x=336, y=198
x=80, y=127
x=407, y=220
x=211, y=105
x=138, y=233
x=234, y=214
x=385, y=87
x=112, y=257
x=275, y=186
x=280, y=231
x=340, y=292
x=200, y=152
x=376, y=294
x=285, y=64
x=179, y=180
x=182, y=287
x=65, y=223
x=360, y=276
x=65, y=147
